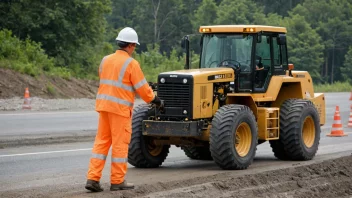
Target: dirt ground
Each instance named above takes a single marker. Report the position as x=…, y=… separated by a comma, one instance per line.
x=330, y=178
x=13, y=84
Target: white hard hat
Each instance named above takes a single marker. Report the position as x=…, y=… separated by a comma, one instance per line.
x=128, y=35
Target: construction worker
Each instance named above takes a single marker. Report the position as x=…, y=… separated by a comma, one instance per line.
x=258, y=61
x=120, y=79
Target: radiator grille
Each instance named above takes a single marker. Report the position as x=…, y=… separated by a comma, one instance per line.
x=175, y=95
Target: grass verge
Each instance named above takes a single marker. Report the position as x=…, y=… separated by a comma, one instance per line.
x=335, y=87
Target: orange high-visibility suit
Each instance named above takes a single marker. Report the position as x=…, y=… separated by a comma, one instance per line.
x=120, y=79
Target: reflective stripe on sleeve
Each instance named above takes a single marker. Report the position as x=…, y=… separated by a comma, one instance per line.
x=119, y=160
x=114, y=99
x=99, y=156
x=140, y=84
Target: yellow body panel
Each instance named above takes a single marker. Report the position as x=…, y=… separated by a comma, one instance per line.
x=295, y=87
x=201, y=75
x=203, y=106
x=282, y=88
x=319, y=102
x=240, y=28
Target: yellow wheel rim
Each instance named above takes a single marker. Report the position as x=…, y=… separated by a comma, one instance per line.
x=308, y=132
x=243, y=139
x=153, y=149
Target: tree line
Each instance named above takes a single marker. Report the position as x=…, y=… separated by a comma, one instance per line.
x=75, y=35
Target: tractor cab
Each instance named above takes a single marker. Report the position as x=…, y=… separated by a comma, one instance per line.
x=256, y=53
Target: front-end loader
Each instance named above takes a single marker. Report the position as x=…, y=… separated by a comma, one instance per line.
x=243, y=93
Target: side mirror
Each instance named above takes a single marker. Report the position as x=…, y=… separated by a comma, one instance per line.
x=185, y=42
x=281, y=39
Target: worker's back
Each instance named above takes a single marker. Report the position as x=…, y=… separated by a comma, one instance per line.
x=116, y=93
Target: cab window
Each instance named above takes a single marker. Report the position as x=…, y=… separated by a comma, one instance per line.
x=263, y=53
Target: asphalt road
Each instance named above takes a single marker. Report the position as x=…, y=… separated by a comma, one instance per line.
x=26, y=123
x=47, y=122
x=57, y=169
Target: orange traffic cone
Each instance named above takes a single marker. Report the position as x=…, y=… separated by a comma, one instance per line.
x=27, y=100
x=351, y=96
x=337, y=128
x=350, y=119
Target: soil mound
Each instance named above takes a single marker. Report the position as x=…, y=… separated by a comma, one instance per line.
x=332, y=178
x=13, y=84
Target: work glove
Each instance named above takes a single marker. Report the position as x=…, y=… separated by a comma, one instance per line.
x=158, y=103
x=154, y=86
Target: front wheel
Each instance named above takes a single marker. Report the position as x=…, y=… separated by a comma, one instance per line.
x=142, y=151
x=233, y=137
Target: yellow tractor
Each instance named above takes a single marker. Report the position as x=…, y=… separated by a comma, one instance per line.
x=244, y=93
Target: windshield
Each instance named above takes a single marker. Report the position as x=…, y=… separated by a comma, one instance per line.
x=233, y=48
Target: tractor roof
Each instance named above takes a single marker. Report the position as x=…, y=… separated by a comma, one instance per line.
x=240, y=29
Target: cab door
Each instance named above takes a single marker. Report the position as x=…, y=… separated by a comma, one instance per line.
x=271, y=50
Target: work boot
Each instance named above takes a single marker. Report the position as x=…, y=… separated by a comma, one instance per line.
x=123, y=186
x=93, y=186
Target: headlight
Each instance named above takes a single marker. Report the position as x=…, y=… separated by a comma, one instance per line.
x=162, y=80
x=185, y=112
x=184, y=81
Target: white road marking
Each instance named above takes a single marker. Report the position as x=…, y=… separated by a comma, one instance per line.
x=44, y=113
x=47, y=152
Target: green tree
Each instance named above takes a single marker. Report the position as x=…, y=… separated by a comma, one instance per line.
x=64, y=28
x=27, y=57
x=280, y=7
x=333, y=21
x=153, y=62
x=121, y=14
x=305, y=48
x=271, y=19
x=237, y=12
x=160, y=22
x=346, y=69
x=205, y=14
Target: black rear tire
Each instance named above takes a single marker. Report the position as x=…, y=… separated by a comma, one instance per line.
x=226, y=123
x=293, y=116
x=197, y=153
x=138, y=153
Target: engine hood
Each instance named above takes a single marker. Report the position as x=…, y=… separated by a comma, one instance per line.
x=204, y=75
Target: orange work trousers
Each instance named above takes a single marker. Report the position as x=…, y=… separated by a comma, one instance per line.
x=113, y=130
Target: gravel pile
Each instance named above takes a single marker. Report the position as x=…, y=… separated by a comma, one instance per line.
x=39, y=104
